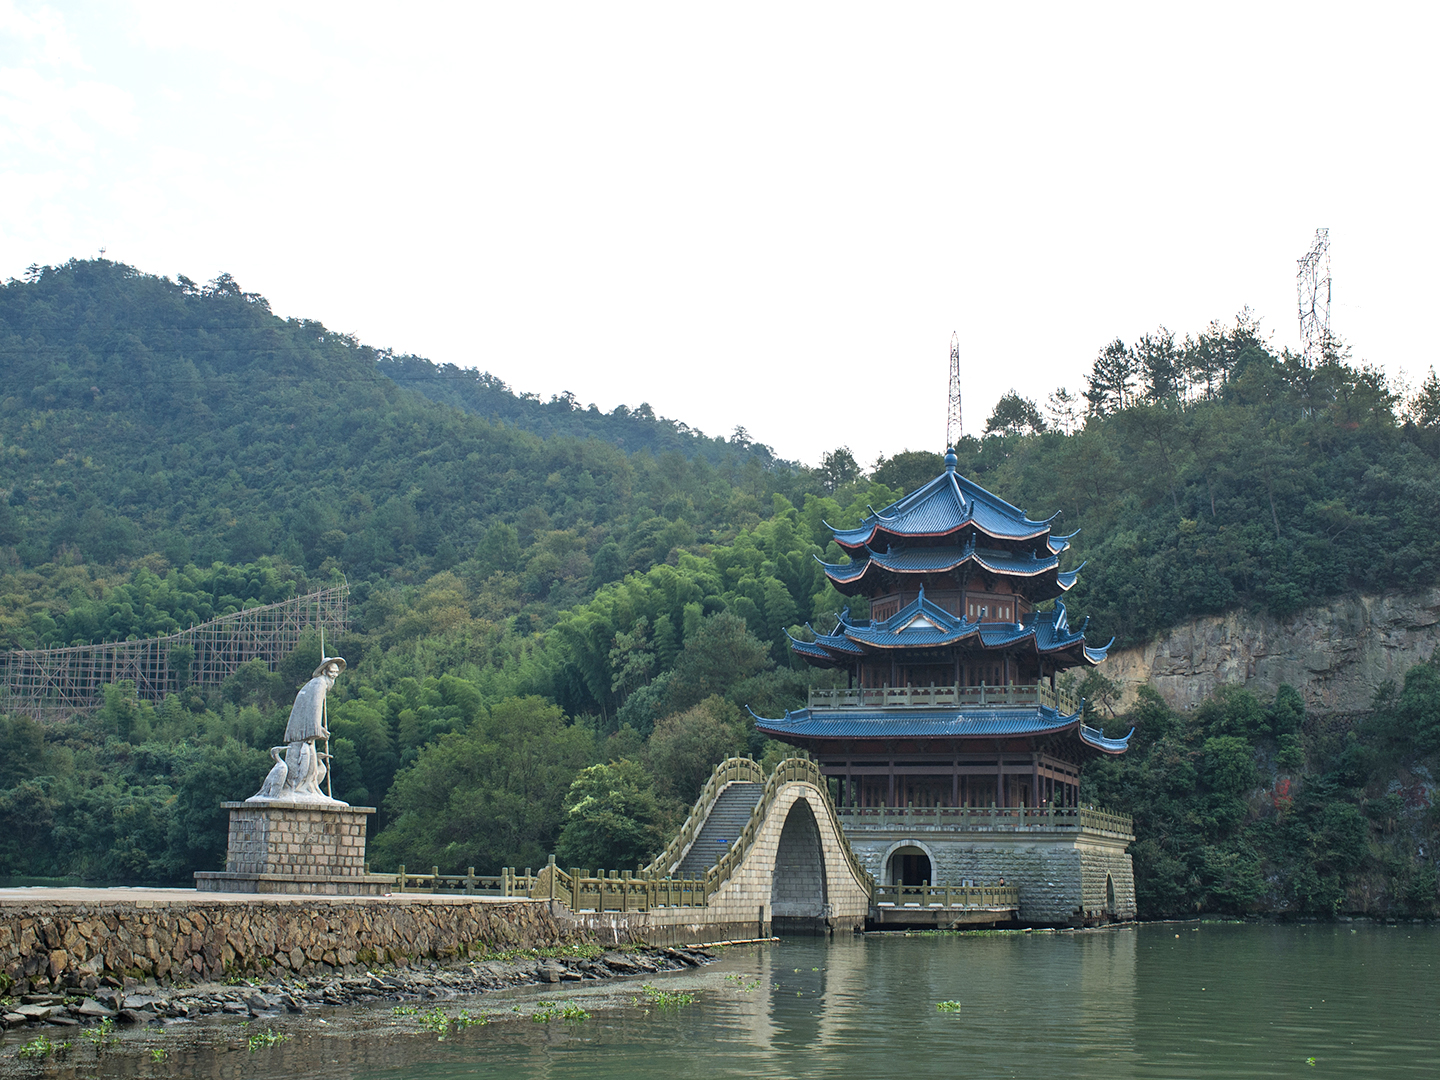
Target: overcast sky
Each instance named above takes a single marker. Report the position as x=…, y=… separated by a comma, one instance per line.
x=769, y=215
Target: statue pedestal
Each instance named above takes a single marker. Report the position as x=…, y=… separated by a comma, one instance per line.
x=306, y=848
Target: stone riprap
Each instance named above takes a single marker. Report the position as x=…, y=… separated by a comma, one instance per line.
x=45, y=946
x=1336, y=654
x=132, y=1002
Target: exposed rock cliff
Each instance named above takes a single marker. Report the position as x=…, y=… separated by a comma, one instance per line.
x=1335, y=654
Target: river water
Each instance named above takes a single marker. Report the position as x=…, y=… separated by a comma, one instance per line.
x=1161, y=1000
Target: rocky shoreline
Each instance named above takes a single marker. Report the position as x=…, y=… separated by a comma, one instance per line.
x=133, y=1002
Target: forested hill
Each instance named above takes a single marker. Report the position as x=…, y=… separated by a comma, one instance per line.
x=140, y=416
x=483, y=394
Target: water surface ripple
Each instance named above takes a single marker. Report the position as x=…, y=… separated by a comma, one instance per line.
x=1166, y=1001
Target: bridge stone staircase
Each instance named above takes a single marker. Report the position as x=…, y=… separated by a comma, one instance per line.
x=728, y=816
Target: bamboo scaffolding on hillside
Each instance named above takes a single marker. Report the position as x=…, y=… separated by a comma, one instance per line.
x=57, y=683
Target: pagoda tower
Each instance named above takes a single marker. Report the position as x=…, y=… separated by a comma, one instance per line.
x=954, y=735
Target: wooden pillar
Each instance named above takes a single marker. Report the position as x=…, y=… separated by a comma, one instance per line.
x=891, y=801
x=999, y=777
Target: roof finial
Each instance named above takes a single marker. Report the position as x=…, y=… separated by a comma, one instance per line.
x=950, y=459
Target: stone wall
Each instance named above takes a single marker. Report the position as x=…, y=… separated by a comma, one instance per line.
x=1335, y=654
x=43, y=946
x=285, y=848
x=1097, y=863
x=1055, y=872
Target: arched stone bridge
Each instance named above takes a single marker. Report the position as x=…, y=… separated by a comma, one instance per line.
x=756, y=856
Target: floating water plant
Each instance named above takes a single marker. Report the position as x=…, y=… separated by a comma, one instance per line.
x=264, y=1038
x=41, y=1047
x=550, y=1011
x=665, y=999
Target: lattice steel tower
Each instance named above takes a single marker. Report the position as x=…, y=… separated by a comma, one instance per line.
x=954, y=426
x=1312, y=283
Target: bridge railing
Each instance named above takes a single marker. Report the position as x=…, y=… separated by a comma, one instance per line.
x=939, y=697
x=988, y=817
x=947, y=896
x=615, y=890
x=466, y=884
x=789, y=771
x=728, y=771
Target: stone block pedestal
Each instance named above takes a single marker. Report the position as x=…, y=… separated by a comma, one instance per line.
x=281, y=847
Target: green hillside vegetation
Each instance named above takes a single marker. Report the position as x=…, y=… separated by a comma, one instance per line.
x=169, y=453
x=1247, y=806
x=140, y=416
x=484, y=394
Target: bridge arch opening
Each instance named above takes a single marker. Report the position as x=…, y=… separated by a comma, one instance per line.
x=1109, y=896
x=798, y=886
x=909, y=866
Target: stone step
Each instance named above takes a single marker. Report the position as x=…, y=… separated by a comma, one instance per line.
x=727, y=819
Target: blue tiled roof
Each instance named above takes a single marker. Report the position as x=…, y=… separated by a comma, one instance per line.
x=932, y=560
x=942, y=506
x=1098, y=740
x=936, y=724
x=1061, y=543
x=932, y=514
x=921, y=624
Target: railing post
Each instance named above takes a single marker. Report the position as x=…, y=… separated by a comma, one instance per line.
x=551, y=867
x=470, y=881
x=402, y=877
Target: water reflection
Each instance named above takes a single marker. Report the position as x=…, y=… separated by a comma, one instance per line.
x=1212, y=1001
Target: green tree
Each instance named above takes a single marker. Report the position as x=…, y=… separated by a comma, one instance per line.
x=612, y=818
x=1015, y=415
x=908, y=469
x=488, y=796
x=687, y=745
x=838, y=467
x=721, y=653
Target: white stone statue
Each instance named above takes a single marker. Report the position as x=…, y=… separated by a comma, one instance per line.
x=298, y=777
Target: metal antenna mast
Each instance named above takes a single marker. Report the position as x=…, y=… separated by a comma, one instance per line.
x=954, y=427
x=1312, y=284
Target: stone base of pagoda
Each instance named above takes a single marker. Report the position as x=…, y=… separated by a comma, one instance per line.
x=1066, y=876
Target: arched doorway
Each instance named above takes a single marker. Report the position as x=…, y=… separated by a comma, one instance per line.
x=797, y=888
x=909, y=865
x=1109, y=896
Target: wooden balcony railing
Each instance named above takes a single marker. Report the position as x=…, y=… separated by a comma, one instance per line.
x=945, y=697
x=1084, y=818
